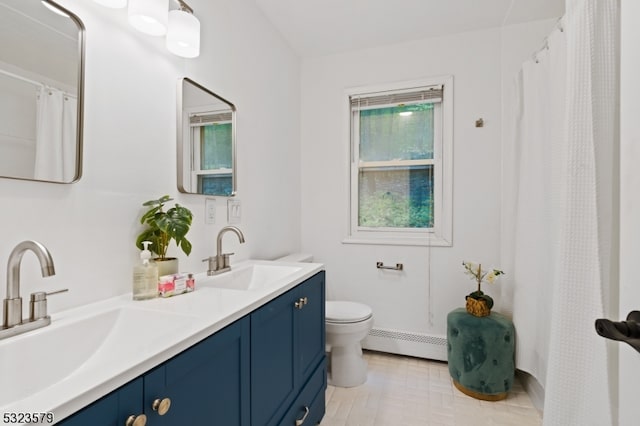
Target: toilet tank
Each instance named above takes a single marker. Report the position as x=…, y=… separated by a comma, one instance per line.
x=296, y=257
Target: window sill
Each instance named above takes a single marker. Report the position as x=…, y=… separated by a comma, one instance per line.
x=433, y=241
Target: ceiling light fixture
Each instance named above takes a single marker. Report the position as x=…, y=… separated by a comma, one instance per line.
x=149, y=16
x=183, y=33
x=153, y=17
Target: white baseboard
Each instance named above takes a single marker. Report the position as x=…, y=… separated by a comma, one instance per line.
x=407, y=343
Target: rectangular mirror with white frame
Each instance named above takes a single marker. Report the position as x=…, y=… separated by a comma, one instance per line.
x=206, y=149
x=41, y=91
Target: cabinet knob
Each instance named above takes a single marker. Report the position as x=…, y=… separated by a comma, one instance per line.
x=139, y=420
x=301, y=302
x=161, y=405
x=306, y=413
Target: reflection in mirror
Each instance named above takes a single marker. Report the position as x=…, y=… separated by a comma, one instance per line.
x=206, y=141
x=41, y=76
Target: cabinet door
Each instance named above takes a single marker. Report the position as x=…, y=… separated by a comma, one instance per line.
x=311, y=325
x=112, y=409
x=208, y=384
x=273, y=361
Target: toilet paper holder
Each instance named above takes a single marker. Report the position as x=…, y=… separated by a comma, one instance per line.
x=624, y=331
x=398, y=267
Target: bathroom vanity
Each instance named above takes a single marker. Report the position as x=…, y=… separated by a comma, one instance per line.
x=253, y=353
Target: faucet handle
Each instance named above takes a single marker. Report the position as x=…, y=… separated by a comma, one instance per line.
x=225, y=260
x=212, y=262
x=62, y=290
x=38, y=303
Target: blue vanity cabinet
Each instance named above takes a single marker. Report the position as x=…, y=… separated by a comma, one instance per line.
x=208, y=384
x=287, y=348
x=267, y=368
x=112, y=409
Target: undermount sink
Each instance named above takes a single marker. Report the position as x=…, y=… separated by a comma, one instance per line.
x=257, y=276
x=56, y=352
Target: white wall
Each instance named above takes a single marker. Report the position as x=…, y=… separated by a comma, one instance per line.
x=400, y=300
x=477, y=62
x=129, y=152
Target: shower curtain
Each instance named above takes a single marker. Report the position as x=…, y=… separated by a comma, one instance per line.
x=55, y=135
x=558, y=211
x=534, y=188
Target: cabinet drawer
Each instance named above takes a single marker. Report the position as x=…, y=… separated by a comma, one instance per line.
x=310, y=404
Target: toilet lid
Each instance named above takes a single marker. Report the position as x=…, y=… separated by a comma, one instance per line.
x=346, y=312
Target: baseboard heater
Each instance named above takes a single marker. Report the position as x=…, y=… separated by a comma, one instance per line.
x=407, y=343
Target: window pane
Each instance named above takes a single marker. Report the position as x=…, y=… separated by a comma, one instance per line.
x=215, y=146
x=397, y=133
x=215, y=184
x=396, y=197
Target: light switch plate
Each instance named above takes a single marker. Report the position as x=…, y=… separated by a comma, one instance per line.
x=209, y=211
x=234, y=212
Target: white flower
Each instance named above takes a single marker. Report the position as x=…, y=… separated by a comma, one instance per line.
x=476, y=273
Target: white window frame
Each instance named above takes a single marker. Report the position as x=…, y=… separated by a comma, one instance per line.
x=442, y=231
x=196, y=171
x=191, y=150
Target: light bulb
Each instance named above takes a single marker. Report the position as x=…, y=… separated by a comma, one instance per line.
x=183, y=34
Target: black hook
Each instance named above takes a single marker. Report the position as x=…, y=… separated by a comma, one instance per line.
x=624, y=331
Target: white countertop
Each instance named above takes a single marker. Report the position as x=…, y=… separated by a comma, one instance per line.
x=122, y=352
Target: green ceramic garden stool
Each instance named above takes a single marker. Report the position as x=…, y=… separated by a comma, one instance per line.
x=480, y=352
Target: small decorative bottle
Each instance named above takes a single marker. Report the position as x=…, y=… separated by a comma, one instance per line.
x=145, y=276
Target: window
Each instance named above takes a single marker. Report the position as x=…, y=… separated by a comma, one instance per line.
x=401, y=165
x=211, y=136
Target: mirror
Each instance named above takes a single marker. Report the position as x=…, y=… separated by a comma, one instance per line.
x=206, y=141
x=41, y=82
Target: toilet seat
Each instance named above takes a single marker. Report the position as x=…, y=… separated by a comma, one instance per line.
x=342, y=312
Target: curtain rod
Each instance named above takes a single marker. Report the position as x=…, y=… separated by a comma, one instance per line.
x=19, y=77
x=37, y=83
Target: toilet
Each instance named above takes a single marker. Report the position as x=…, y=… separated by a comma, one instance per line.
x=347, y=324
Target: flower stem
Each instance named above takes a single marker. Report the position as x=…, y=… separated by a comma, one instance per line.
x=479, y=276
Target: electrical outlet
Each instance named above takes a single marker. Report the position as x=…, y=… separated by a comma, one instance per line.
x=209, y=211
x=234, y=212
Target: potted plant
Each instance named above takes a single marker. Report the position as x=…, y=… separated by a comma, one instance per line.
x=162, y=227
x=478, y=303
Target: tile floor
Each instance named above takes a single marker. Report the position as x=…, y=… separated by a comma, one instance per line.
x=405, y=391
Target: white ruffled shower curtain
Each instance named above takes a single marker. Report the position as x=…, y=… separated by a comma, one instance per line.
x=55, y=135
x=558, y=211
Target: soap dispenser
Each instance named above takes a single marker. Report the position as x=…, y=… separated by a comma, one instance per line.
x=145, y=276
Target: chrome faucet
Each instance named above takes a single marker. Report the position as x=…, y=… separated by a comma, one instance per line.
x=220, y=262
x=13, y=323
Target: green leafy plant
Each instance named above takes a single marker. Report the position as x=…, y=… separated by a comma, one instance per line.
x=164, y=226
